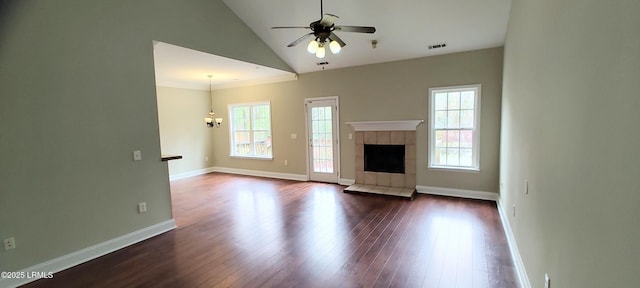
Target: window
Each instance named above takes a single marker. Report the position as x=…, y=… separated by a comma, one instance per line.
x=454, y=127
x=250, y=126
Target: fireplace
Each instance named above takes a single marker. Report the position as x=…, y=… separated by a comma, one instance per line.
x=376, y=139
x=384, y=158
x=392, y=170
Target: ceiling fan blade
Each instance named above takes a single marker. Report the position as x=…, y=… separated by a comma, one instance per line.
x=294, y=43
x=290, y=27
x=358, y=29
x=335, y=37
x=328, y=19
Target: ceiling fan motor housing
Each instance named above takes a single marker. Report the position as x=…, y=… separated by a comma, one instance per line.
x=320, y=31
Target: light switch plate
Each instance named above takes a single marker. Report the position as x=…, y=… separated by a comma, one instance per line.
x=142, y=207
x=137, y=155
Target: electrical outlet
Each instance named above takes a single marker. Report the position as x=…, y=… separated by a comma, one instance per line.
x=142, y=207
x=206, y=158
x=514, y=210
x=547, y=281
x=137, y=155
x=286, y=162
x=9, y=243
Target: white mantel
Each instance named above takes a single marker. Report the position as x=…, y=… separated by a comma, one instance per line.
x=403, y=125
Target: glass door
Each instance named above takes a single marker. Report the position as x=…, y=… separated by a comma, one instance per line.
x=322, y=140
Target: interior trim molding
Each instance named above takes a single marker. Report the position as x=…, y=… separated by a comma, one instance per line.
x=267, y=80
x=403, y=125
x=257, y=173
x=462, y=193
x=190, y=173
x=513, y=248
x=87, y=254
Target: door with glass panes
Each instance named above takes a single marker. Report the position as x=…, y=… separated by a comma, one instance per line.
x=322, y=139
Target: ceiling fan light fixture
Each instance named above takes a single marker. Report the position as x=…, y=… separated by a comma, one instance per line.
x=312, y=47
x=323, y=30
x=320, y=52
x=335, y=47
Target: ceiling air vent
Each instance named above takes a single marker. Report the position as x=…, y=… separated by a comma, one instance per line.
x=322, y=64
x=436, y=46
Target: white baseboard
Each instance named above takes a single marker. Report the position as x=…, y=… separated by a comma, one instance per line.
x=471, y=194
x=190, y=173
x=81, y=256
x=513, y=248
x=285, y=176
x=346, y=182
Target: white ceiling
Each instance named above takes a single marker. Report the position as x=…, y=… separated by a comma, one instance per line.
x=405, y=29
x=181, y=67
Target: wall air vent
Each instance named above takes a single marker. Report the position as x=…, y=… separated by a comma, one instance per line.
x=436, y=46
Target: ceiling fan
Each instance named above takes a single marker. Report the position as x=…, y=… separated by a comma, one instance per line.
x=323, y=30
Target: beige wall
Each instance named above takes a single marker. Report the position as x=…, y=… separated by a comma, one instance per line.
x=77, y=97
x=570, y=127
x=387, y=91
x=182, y=128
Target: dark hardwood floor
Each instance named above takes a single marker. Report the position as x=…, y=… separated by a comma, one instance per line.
x=237, y=231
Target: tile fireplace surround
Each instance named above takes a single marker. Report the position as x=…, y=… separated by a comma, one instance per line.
x=385, y=133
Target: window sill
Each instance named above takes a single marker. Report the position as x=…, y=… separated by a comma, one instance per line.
x=251, y=157
x=454, y=169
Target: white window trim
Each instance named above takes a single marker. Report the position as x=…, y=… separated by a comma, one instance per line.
x=476, y=129
x=231, y=142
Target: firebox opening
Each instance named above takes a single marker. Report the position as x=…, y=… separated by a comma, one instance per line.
x=384, y=158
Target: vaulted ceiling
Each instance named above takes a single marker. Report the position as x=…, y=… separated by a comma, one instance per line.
x=405, y=30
